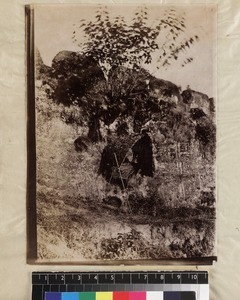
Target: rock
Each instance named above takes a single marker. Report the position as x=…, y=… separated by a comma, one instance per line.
x=81, y=144
x=197, y=100
x=113, y=201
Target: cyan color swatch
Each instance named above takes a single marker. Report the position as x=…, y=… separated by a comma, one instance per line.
x=70, y=296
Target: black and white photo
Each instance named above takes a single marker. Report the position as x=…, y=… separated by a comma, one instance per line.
x=124, y=150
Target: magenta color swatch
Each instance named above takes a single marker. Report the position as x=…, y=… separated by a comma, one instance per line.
x=137, y=296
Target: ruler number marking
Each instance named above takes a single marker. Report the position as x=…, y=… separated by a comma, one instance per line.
x=45, y=279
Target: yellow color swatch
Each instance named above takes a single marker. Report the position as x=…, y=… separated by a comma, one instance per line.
x=104, y=296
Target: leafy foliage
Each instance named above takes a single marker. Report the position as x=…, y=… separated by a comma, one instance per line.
x=114, y=248
x=107, y=80
x=75, y=75
x=113, y=42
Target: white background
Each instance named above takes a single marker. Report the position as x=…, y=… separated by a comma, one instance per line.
x=15, y=274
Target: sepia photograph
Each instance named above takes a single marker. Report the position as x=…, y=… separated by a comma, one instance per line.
x=122, y=133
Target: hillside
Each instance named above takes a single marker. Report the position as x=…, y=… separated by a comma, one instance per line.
x=169, y=215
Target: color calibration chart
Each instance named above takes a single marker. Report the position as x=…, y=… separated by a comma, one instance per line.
x=120, y=286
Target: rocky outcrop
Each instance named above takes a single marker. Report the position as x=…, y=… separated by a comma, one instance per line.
x=198, y=101
x=75, y=74
x=67, y=63
x=41, y=69
x=164, y=89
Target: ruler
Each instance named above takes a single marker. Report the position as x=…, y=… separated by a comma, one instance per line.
x=107, y=285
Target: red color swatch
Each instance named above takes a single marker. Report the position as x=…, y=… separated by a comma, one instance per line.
x=121, y=296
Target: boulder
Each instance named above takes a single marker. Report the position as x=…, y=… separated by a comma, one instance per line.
x=197, y=100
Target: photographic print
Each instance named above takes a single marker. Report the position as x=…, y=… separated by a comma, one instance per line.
x=121, y=133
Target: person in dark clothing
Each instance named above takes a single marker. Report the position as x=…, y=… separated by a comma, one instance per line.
x=143, y=155
x=107, y=162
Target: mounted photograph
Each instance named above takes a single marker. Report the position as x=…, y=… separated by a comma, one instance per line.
x=121, y=133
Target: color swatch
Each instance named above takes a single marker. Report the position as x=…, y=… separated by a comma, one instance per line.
x=153, y=295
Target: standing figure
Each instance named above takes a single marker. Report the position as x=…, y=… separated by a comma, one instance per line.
x=143, y=155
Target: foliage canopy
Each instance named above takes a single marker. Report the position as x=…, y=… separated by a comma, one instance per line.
x=114, y=42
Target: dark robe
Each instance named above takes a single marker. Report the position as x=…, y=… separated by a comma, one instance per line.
x=143, y=155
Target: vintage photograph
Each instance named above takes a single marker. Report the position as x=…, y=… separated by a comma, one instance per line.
x=125, y=132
